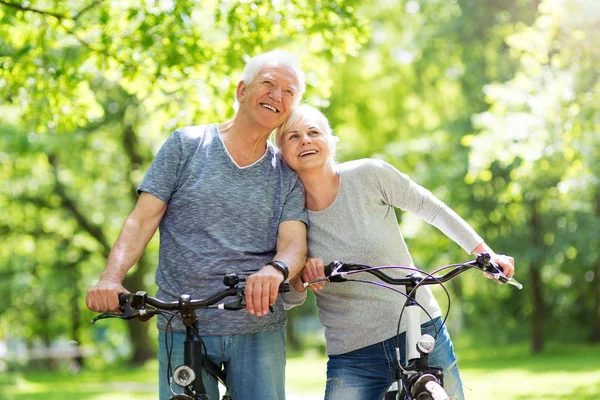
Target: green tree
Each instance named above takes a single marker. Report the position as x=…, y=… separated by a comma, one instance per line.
x=89, y=93
x=540, y=129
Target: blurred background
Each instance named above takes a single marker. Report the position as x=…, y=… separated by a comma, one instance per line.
x=493, y=105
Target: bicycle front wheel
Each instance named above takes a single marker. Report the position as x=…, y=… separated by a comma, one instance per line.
x=431, y=391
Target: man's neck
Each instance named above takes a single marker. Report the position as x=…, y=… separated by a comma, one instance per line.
x=246, y=142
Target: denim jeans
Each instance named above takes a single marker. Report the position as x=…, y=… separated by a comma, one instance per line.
x=367, y=373
x=255, y=364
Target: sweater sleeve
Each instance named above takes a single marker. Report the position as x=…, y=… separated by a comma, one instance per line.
x=400, y=191
x=293, y=298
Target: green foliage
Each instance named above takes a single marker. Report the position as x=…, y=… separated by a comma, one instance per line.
x=89, y=93
x=494, y=107
x=538, y=141
x=491, y=105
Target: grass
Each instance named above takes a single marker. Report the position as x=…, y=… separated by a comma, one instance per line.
x=561, y=373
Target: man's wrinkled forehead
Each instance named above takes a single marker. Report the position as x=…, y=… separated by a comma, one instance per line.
x=279, y=72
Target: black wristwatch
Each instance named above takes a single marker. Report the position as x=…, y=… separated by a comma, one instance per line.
x=280, y=265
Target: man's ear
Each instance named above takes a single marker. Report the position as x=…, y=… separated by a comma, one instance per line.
x=240, y=91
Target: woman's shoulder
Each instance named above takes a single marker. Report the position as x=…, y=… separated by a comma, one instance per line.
x=374, y=173
x=366, y=166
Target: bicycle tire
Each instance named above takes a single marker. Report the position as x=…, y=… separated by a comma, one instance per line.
x=432, y=391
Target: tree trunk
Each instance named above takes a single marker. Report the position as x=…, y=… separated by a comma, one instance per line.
x=291, y=332
x=596, y=316
x=75, y=311
x=537, y=298
x=143, y=348
x=596, y=287
x=537, y=337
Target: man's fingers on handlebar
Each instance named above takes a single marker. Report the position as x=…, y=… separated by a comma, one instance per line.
x=104, y=296
x=261, y=290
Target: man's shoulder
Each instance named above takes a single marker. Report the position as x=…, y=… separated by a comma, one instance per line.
x=196, y=132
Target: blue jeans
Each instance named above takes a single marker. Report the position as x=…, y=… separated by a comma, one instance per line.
x=367, y=373
x=255, y=364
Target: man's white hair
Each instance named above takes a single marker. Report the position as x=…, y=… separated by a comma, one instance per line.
x=258, y=62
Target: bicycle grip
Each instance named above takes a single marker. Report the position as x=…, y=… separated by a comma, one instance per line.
x=284, y=287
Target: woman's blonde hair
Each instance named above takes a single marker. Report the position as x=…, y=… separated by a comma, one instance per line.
x=298, y=114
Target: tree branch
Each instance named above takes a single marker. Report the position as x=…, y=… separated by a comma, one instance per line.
x=93, y=229
x=86, y=8
x=130, y=144
x=59, y=17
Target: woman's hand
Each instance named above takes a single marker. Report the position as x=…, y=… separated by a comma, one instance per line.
x=313, y=269
x=505, y=262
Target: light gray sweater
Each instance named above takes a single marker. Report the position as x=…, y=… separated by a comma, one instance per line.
x=360, y=226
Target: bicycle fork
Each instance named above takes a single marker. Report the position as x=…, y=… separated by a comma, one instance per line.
x=416, y=373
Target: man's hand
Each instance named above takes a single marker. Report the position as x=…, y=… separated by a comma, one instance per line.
x=261, y=290
x=104, y=296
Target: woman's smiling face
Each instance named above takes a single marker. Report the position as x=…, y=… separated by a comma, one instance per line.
x=306, y=143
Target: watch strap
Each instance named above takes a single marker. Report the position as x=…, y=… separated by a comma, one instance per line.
x=280, y=265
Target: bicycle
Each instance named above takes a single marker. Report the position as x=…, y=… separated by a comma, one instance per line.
x=417, y=380
x=188, y=375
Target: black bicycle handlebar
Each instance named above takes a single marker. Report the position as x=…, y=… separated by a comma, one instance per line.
x=124, y=298
x=337, y=271
x=134, y=305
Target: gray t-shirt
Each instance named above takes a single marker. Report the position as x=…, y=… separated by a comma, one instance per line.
x=361, y=226
x=220, y=219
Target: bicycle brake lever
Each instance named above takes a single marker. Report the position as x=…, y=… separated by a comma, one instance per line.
x=238, y=305
x=318, y=280
x=494, y=271
x=234, y=305
x=503, y=279
x=108, y=315
x=514, y=282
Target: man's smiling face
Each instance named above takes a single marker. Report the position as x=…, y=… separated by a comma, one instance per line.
x=271, y=95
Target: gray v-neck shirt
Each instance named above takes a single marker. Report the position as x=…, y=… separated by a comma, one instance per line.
x=220, y=218
x=361, y=226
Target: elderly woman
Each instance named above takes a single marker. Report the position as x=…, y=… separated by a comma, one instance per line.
x=351, y=211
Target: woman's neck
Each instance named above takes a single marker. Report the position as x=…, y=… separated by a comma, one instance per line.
x=321, y=186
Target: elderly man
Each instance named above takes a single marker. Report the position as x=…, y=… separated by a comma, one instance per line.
x=224, y=203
